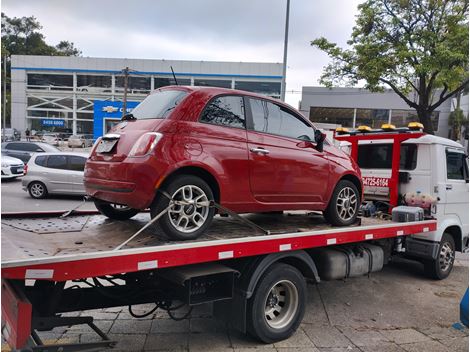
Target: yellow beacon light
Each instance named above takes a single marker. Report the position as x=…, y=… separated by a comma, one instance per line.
x=415, y=126
x=364, y=128
x=388, y=127
x=342, y=130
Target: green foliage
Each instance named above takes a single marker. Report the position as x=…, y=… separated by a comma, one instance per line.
x=458, y=121
x=418, y=46
x=21, y=36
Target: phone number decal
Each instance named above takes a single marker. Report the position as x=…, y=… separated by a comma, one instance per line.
x=375, y=181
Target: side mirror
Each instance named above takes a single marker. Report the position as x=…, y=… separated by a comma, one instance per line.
x=319, y=138
x=305, y=144
x=39, y=150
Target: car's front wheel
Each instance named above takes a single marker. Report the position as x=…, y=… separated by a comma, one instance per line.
x=344, y=204
x=115, y=211
x=37, y=190
x=190, y=214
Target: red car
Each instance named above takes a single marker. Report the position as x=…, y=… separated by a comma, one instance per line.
x=248, y=152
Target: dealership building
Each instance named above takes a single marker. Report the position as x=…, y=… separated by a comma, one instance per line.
x=352, y=107
x=58, y=93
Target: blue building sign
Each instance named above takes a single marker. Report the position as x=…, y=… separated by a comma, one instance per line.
x=107, y=114
x=52, y=122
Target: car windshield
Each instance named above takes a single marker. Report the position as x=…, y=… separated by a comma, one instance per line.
x=159, y=104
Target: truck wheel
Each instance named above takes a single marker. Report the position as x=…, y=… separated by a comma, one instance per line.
x=441, y=267
x=184, y=222
x=115, y=211
x=344, y=204
x=278, y=304
x=37, y=190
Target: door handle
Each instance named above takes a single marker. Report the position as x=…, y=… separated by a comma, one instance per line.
x=259, y=150
x=448, y=187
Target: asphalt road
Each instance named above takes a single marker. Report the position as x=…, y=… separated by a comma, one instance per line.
x=14, y=199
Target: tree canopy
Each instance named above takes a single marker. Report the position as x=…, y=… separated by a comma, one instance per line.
x=22, y=36
x=411, y=46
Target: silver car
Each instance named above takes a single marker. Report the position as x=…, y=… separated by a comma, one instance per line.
x=80, y=141
x=55, y=173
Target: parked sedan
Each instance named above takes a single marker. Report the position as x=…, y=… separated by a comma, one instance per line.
x=51, y=138
x=24, y=150
x=11, y=167
x=80, y=141
x=10, y=135
x=55, y=173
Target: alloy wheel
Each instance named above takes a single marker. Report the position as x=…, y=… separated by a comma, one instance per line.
x=346, y=203
x=191, y=208
x=37, y=190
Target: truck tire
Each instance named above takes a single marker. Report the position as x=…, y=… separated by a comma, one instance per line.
x=115, y=211
x=184, y=222
x=441, y=267
x=277, y=306
x=344, y=204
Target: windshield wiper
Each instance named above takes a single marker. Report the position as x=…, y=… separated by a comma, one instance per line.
x=128, y=117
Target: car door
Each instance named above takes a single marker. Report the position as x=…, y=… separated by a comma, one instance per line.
x=282, y=169
x=457, y=185
x=76, y=166
x=58, y=175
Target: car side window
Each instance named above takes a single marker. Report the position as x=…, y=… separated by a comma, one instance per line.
x=273, y=119
x=225, y=111
x=17, y=146
x=57, y=162
x=456, y=165
x=77, y=163
x=40, y=160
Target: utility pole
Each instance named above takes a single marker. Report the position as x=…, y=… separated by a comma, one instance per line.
x=126, y=84
x=284, y=63
x=4, y=96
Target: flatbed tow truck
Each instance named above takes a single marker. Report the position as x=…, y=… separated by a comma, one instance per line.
x=254, y=268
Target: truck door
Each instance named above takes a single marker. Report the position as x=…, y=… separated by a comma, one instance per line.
x=457, y=185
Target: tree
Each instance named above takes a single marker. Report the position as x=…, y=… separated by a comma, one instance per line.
x=21, y=36
x=411, y=46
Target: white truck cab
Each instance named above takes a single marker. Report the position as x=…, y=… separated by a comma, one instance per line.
x=432, y=167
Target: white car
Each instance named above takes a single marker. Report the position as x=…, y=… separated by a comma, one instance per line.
x=11, y=167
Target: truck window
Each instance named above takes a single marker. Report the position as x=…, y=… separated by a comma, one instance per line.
x=379, y=156
x=456, y=165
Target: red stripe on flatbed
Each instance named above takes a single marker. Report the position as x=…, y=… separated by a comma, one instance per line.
x=110, y=263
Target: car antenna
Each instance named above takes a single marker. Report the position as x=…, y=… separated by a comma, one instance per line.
x=174, y=76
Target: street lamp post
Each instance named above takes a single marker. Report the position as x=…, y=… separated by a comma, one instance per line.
x=284, y=63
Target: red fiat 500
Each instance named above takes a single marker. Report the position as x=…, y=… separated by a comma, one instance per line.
x=247, y=152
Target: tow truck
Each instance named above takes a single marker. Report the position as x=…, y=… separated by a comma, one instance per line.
x=254, y=268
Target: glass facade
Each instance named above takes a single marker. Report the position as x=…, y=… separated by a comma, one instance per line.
x=69, y=96
x=374, y=118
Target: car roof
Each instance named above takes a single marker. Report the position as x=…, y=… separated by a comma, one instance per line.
x=86, y=155
x=213, y=91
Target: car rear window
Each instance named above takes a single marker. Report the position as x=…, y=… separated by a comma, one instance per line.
x=76, y=163
x=159, y=104
x=379, y=156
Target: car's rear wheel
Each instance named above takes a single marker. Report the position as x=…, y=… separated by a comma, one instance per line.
x=191, y=214
x=115, y=211
x=37, y=190
x=344, y=204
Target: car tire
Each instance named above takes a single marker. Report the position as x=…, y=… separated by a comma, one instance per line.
x=37, y=190
x=114, y=211
x=277, y=306
x=344, y=204
x=181, y=221
x=440, y=268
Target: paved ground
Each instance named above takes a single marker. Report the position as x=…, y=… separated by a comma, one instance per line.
x=14, y=199
x=394, y=310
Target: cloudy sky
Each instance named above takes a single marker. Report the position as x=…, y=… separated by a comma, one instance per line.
x=221, y=30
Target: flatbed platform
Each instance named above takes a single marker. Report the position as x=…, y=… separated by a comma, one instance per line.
x=84, y=245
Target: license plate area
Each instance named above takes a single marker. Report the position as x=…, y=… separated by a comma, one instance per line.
x=106, y=145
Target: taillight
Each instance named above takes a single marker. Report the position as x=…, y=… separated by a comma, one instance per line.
x=145, y=144
x=95, y=145
x=25, y=169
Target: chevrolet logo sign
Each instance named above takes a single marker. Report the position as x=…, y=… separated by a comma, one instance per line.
x=110, y=109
